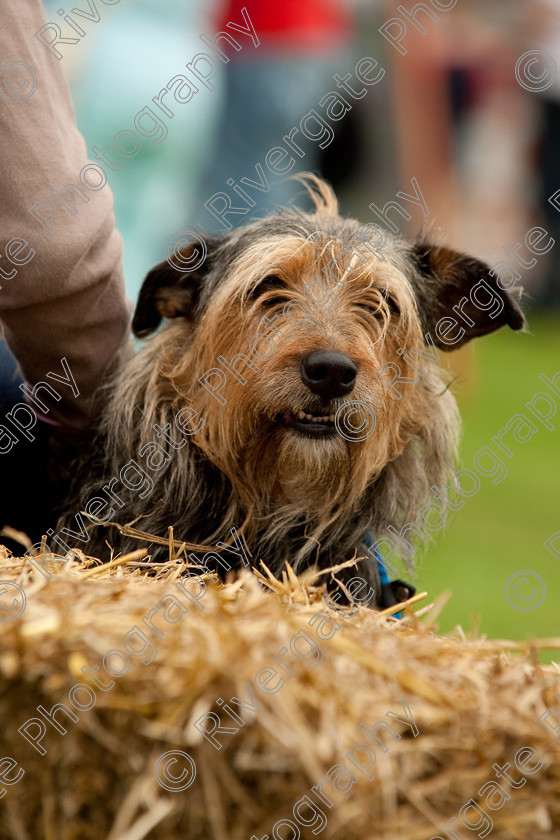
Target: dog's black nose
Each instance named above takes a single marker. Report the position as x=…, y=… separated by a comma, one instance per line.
x=328, y=373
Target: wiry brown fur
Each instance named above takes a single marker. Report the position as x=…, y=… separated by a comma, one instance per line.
x=294, y=498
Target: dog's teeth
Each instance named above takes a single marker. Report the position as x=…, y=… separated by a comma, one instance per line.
x=309, y=417
x=301, y=415
x=331, y=418
x=325, y=419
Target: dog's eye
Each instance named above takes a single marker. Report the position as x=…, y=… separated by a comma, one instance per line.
x=394, y=308
x=375, y=310
x=270, y=284
x=391, y=302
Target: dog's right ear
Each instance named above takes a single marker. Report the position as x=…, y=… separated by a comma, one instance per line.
x=172, y=288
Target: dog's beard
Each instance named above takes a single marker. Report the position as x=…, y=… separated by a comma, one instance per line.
x=311, y=472
x=286, y=468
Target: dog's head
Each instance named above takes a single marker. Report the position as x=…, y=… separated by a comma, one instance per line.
x=308, y=343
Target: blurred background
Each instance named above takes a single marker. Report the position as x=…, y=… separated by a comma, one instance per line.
x=472, y=110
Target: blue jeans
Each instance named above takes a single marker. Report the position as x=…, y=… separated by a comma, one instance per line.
x=27, y=494
x=265, y=99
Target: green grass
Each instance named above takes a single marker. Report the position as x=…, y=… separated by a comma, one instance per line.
x=502, y=528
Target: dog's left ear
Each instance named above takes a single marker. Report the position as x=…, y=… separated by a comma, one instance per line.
x=458, y=298
x=172, y=290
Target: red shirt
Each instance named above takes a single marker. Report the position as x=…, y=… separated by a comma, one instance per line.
x=292, y=24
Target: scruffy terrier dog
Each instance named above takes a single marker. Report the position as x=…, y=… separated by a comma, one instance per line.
x=291, y=396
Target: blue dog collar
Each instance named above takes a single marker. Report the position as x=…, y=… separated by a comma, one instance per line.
x=383, y=575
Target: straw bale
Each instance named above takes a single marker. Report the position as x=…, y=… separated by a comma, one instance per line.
x=475, y=703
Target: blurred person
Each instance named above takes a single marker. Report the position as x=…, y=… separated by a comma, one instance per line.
x=542, y=33
x=463, y=129
x=461, y=123
x=63, y=309
x=269, y=90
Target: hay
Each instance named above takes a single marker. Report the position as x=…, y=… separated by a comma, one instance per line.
x=475, y=703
